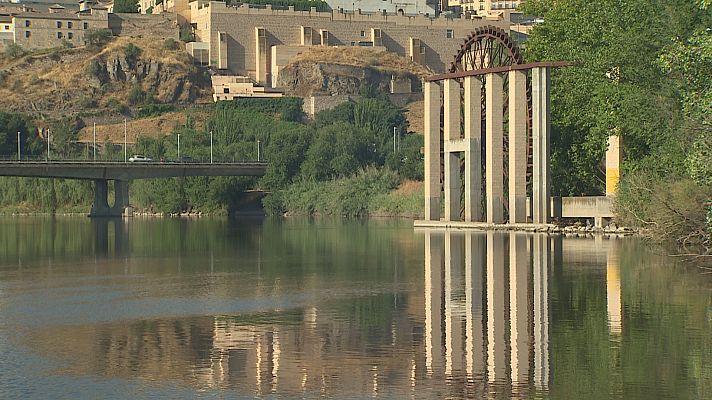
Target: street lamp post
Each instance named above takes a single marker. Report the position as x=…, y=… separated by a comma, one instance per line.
x=125, y=140
x=49, y=132
x=18, y=145
x=94, y=141
x=258, y=150
x=179, y=147
x=211, y=147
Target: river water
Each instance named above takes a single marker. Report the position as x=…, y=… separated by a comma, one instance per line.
x=211, y=308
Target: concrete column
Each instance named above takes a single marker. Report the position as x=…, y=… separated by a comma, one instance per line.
x=613, y=164
x=540, y=257
x=451, y=131
x=496, y=360
x=432, y=151
x=433, y=302
x=100, y=208
x=494, y=161
x=473, y=149
x=517, y=147
x=541, y=128
x=474, y=307
x=121, y=198
x=519, y=307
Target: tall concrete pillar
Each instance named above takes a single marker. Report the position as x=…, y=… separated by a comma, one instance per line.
x=433, y=302
x=100, y=208
x=121, y=198
x=541, y=256
x=432, y=151
x=613, y=164
x=517, y=146
x=541, y=128
x=494, y=157
x=451, y=131
x=496, y=360
x=473, y=149
x=519, y=307
x=474, y=307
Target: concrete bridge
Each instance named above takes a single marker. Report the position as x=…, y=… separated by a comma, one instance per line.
x=121, y=173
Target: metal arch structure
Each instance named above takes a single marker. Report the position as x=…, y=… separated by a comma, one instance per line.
x=486, y=43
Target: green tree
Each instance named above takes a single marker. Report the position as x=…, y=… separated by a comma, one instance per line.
x=126, y=6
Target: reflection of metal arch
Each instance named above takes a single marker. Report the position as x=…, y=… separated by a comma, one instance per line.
x=491, y=47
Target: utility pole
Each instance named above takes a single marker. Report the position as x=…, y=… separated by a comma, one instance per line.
x=394, y=139
x=179, y=147
x=48, y=134
x=18, y=145
x=258, y=150
x=211, y=147
x=125, y=140
x=94, y=141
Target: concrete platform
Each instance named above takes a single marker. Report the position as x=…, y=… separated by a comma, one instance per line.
x=483, y=226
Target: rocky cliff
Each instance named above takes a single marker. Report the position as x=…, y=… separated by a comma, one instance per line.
x=66, y=81
x=344, y=70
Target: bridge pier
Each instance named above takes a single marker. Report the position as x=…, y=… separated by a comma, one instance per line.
x=101, y=208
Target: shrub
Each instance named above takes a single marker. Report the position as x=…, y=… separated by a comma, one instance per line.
x=3, y=76
x=186, y=34
x=14, y=51
x=131, y=51
x=136, y=95
x=98, y=37
x=171, y=44
x=126, y=6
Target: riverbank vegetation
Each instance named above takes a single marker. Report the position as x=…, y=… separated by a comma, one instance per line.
x=644, y=72
x=344, y=162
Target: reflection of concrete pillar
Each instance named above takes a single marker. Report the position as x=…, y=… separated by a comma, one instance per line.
x=474, y=268
x=432, y=151
x=519, y=307
x=517, y=146
x=540, y=256
x=494, y=163
x=473, y=149
x=541, y=128
x=613, y=291
x=433, y=301
x=496, y=363
x=453, y=316
x=613, y=164
x=451, y=131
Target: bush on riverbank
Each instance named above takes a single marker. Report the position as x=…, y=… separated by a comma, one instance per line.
x=368, y=192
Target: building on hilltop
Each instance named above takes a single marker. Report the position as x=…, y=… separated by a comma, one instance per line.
x=402, y=7
x=52, y=26
x=258, y=42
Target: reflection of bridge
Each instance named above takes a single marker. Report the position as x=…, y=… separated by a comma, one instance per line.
x=121, y=173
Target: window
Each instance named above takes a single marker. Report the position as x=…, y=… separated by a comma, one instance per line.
x=422, y=49
x=222, y=36
x=7, y=27
x=363, y=33
x=59, y=35
x=450, y=34
x=59, y=24
x=69, y=25
x=86, y=25
x=70, y=35
x=226, y=90
x=27, y=23
x=27, y=34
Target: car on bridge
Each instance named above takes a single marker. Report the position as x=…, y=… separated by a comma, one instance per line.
x=139, y=158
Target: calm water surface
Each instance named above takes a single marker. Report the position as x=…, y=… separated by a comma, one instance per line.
x=297, y=308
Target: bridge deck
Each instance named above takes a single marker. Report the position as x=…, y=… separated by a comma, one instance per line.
x=126, y=171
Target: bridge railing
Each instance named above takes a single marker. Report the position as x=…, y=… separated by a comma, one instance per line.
x=44, y=159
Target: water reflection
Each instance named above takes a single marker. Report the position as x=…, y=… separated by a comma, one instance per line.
x=309, y=310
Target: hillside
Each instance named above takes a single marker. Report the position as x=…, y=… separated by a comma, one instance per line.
x=67, y=81
x=344, y=70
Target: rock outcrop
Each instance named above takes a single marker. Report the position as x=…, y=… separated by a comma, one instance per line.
x=310, y=78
